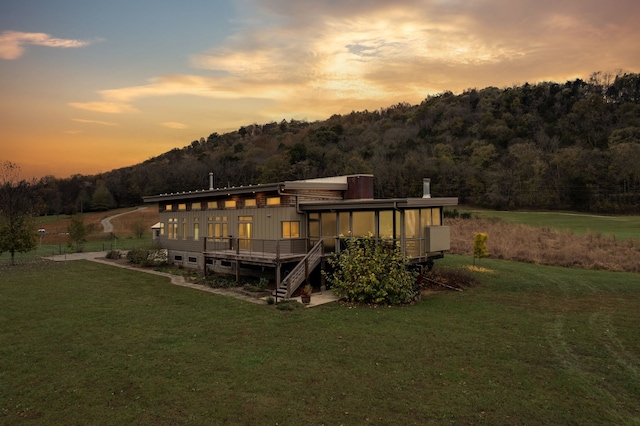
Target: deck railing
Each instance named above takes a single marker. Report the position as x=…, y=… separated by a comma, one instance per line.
x=254, y=246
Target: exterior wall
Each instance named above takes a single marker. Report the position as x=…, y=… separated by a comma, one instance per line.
x=266, y=224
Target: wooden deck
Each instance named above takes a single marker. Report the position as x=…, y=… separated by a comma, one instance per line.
x=256, y=251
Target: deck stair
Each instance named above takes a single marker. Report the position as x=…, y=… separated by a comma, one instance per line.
x=300, y=273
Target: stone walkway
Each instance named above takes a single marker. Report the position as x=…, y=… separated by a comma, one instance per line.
x=100, y=257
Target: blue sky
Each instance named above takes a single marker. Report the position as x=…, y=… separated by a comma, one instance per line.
x=91, y=86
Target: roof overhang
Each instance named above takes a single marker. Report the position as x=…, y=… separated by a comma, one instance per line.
x=208, y=193
x=378, y=204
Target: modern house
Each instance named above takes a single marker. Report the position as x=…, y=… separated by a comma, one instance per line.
x=288, y=228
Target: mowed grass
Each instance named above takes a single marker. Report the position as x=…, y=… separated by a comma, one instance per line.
x=621, y=227
x=84, y=343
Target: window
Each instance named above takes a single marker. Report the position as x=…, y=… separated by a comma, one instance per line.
x=345, y=226
x=291, y=229
x=425, y=219
x=184, y=228
x=211, y=205
x=250, y=203
x=177, y=257
x=230, y=204
x=173, y=228
x=196, y=206
x=363, y=224
x=168, y=207
x=411, y=224
x=273, y=201
x=431, y=217
x=329, y=230
x=161, y=228
x=196, y=229
x=182, y=206
x=385, y=224
x=193, y=259
x=436, y=216
x=210, y=227
x=314, y=227
x=221, y=228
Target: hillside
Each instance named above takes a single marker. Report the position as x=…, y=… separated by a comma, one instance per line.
x=549, y=145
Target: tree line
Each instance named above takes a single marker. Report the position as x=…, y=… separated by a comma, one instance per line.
x=549, y=145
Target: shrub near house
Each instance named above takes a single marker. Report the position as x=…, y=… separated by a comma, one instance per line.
x=370, y=271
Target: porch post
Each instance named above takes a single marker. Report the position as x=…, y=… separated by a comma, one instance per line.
x=278, y=278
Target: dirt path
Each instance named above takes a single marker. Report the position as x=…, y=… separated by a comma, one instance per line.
x=107, y=226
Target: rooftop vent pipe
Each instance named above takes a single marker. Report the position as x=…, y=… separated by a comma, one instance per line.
x=426, y=188
x=210, y=181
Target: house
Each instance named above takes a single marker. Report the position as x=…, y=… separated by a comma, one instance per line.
x=288, y=228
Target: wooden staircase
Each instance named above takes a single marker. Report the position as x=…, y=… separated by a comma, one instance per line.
x=300, y=273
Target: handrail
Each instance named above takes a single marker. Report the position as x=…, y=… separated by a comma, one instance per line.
x=301, y=271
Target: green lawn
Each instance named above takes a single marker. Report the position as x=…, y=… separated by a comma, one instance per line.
x=622, y=227
x=84, y=343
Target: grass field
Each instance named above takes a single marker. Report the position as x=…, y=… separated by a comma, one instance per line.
x=84, y=343
x=622, y=227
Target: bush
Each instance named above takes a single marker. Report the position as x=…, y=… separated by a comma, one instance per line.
x=147, y=256
x=114, y=254
x=257, y=286
x=138, y=256
x=367, y=271
x=218, y=281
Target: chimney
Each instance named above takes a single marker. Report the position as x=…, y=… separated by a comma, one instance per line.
x=426, y=188
x=210, y=181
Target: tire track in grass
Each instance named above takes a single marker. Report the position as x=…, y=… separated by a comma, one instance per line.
x=576, y=365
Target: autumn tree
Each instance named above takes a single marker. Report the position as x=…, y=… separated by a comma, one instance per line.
x=17, y=227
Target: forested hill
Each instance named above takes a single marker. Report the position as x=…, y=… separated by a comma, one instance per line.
x=573, y=145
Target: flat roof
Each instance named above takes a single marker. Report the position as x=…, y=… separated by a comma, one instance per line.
x=378, y=203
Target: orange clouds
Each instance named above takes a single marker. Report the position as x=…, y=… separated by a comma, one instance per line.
x=12, y=43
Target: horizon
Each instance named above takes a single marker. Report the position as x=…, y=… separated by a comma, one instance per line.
x=89, y=88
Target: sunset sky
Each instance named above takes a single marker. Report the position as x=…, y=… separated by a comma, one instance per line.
x=89, y=86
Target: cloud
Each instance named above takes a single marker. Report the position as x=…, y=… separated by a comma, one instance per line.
x=174, y=125
x=106, y=107
x=103, y=123
x=314, y=58
x=12, y=42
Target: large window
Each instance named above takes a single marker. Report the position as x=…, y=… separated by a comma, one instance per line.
x=344, y=225
x=411, y=224
x=385, y=224
x=314, y=227
x=363, y=224
x=329, y=230
x=431, y=217
x=291, y=229
x=196, y=229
